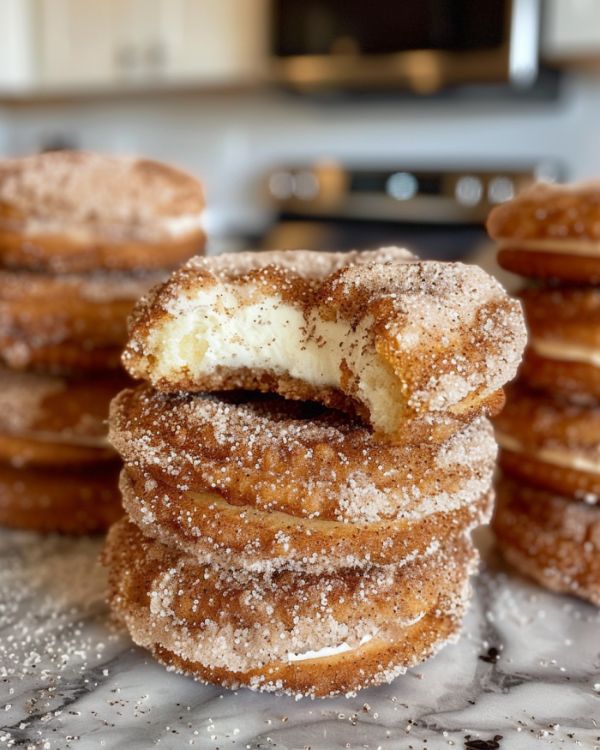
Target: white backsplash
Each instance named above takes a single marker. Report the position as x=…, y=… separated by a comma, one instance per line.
x=231, y=140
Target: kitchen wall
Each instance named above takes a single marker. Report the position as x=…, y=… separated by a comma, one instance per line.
x=232, y=139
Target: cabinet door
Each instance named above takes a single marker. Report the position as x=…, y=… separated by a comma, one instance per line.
x=571, y=29
x=17, y=70
x=79, y=41
x=212, y=40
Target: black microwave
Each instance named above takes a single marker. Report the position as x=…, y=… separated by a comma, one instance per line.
x=418, y=45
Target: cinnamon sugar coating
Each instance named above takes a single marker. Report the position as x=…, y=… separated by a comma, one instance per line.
x=76, y=211
x=570, y=266
x=73, y=254
x=550, y=443
x=211, y=529
x=48, y=420
x=549, y=538
x=564, y=350
x=290, y=457
x=67, y=500
x=550, y=232
x=418, y=348
x=43, y=451
x=80, y=186
x=578, y=381
x=546, y=211
x=540, y=421
x=291, y=483
x=565, y=315
x=67, y=410
x=66, y=323
x=79, y=211
x=241, y=628
x=571, y=482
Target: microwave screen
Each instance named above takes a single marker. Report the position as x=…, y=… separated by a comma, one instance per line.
x=324, y=27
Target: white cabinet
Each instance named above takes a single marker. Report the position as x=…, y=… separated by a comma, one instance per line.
x=77, y=41
x=212, y=40
x=17, y=55
x=69, y=45
x=73, y=44
x=571, y=30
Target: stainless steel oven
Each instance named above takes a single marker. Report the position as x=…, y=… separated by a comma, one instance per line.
x=418, y=45
x=439, y=213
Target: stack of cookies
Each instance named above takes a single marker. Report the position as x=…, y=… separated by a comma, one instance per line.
x=547, y=519
x=305, y=463
x=82, y=237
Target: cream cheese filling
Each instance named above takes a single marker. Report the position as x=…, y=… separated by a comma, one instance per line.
x=174, y=227
x=555, y=456
x=179, y=226
x=235, y=327
x=234, y=648
x=342, y=648
x=565, y=352
x=571, y=246
x=328, y=651
x=240, y=328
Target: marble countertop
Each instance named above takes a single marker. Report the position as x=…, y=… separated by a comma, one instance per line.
x=525, y=674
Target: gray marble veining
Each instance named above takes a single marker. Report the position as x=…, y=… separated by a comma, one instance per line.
x=70, y=680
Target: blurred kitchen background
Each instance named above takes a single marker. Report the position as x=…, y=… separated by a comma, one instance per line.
x=317, y=123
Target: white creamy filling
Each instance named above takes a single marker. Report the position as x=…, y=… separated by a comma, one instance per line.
x=175, y=227
x=570, y=246
x=326, y=651
x=179, y=226
x=554, y=456
x=233, y=329
x=565, y=352
x=342, y=648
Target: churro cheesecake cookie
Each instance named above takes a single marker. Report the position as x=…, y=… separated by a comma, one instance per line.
x=549, y=538
x=71, y=323
x=550, y=443
x=50, y=420
x=67, y=500
x=82, y=237
x=550, y=232
x=305, y=462
x=287, y=632
x=563, y=353
x=280, y=483
x=415, y=349
x=78, y=211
